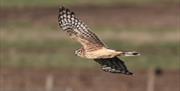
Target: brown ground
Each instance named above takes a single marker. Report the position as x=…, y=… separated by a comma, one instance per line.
x=84, y=80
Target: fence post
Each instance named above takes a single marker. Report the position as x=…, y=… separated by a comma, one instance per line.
x=151, y=80
x=49, y=83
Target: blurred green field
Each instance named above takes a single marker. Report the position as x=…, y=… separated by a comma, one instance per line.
x=47, y=47
x=42, y=3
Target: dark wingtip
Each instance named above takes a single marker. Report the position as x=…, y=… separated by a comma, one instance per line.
x=129, y=73
x=72, y=13
x=126, y=72
x=61, y=8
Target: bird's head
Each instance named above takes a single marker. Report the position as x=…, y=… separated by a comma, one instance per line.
x=79, y=52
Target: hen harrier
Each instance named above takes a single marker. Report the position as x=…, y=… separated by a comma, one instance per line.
x=93, y=47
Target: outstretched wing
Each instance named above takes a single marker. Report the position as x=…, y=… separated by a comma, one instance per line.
x=77, y=30
x=113, y=65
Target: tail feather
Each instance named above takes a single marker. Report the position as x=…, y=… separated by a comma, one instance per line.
x=133, y=53
x=113, y=65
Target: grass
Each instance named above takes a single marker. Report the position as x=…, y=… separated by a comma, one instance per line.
x=43, y=46
x=42, y=3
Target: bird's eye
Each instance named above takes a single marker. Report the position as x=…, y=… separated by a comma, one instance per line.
x=79, y=51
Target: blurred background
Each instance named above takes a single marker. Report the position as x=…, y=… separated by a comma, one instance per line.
x=35, y=55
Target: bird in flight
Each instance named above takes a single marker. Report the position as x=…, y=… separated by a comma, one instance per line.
x=92, y=46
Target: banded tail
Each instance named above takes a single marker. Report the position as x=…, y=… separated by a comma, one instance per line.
x=133, y=53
